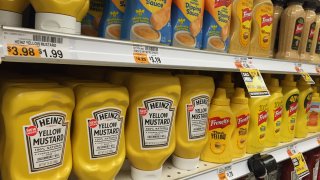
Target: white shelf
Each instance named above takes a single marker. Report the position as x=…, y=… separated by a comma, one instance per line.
x=83, y=50
x=209, y=171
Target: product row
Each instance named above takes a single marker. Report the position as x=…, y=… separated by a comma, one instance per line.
x=144, y=117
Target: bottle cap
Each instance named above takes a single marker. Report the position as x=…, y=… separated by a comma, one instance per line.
x=55, y=23
x=226, y=81
x=138, y=174
x=289, y=81
x=273, y=85
x=185, y=164
x=279, y=2
x=310, y=4
x=8, y=18
x=220, y=97
x=239, y=97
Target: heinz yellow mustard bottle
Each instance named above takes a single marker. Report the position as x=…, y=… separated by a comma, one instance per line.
x=40, y=119
x=313, y=124
x=191, y=121
x=257, y=125
x=98, y=142
x=227, y=84
x=150, y=129
x=275, y=104
x=290, y=107
x=241, y=111
x=221, y=124
x=304, y=101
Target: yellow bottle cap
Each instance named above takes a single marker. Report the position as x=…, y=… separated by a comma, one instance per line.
x=289, y=81
x=239, y=96
x=273, y=85
x=220, y=97
x=226, y=81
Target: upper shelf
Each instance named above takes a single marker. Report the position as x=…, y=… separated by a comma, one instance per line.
x=84, y=50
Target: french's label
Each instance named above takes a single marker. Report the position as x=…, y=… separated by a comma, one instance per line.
x=197, y=116
x=217, y=122
x=263, y=17
x=291, y=110
x=310, y=36
x=277, y=118
x=45, y=140
x=262, y=124
x=104, y=130
x=242, y=120
x=244, y=13
x=155, y=122
x=241, y=131
x=297, y=33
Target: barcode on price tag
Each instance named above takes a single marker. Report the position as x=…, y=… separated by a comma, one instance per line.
x=298, y=161
x=305, y=75
x=146, y=54
x=225, y=173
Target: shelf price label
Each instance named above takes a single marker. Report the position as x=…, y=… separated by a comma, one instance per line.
x=305, y=75
x=146, y=54
x=298, y=161
x=225, y=173
x=251, y=77
x=318, y=139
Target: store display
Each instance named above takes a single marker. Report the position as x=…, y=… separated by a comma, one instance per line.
x=216, y=25
x=81, y=15
x=313, y=124
x=11, y=12
x=112, y=19
x=240, y=108
x=90, y=23
x=277, y=12
x=227, y=84
x=315, y=46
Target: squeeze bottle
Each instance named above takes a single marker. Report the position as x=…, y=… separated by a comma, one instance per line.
x=241, y=111
x=290, y=107
x=81, y=15
x=99, y=117
x=257, y=125
x=221, y=124
x=42, y=121
x=191, y=121
x=57, y=15
x=227, y=84
x=150, y=129
x=11, y=12
x=313, y=124
x=275, y=104
x=304, y=101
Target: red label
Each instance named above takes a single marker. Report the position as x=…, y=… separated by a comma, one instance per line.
x=293, y=108
x=143, y=111
x=266, y=20
x=246, y=14
x=263, y=116
x=31, y=131
x=277, y=113
x=311, y=33
x=219, y=3
x=190, y=107
x=298, y=29
x=242, y=120
x=93, y=123
x=217, y=122
x=308, y=106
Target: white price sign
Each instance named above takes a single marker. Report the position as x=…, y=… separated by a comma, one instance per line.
x=146, y=54
x=225, y=173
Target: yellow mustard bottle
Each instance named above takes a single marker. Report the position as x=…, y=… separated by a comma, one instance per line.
x=191, y=121
x=98, y=130
x=221, y=124
x=40, y=147
x=261, y=28
x=305, y=97
x=11, y=12
x=290, y=106
x=313, y=124
x=227, y=84
x=150, y=129
x=240, y=108
x=275, y=105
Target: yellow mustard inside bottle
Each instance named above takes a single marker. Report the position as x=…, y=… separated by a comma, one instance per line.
x=275, y=105
x=221, y=124
x=240, y=108
x=313, y=124
x=227, y=84
x=42, y=121
x=191, y=121
x=150, y=129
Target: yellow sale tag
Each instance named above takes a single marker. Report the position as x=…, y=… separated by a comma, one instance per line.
x=23, y=50
x=298, y=161
x=141, y=58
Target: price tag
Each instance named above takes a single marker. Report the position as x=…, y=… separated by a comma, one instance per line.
x=304, y=74
x=252, y=77
x=36, y=46
x=299, y=164
x=146, y=54
x=318, y=139
x=225, y=173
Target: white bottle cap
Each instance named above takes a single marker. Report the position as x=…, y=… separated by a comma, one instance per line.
x=8, y=18
x=55, y=23
x=78, y=28
x=138, y=174
x=185, y=164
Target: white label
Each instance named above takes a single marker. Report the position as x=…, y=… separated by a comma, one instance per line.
x=152, y=53
x=155, y=122
x=197, y=116
x=225, y=173
x=316, y=170
x=104, y=131
x=315, y=107
x=45, y=140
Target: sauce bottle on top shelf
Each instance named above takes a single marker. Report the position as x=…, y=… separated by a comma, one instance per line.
x=227, y=84
x=291, y=27
x=240, y=31
x=315, y=47
x=261, y=28
x=308, y=30
x=313, y=124
x=11, y=12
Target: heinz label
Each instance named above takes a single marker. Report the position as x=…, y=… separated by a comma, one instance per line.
x=242, y=129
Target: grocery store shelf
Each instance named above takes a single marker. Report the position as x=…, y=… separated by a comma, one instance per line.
x=83, y=50
x=209, y=171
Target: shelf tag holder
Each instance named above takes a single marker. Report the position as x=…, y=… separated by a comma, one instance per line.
x=225, y=173
x=305, y=75
x=299, y=163
x=143, y=54
x=252, y=77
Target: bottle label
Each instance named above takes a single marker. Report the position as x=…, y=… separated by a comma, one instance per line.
x=318, y=44
x=310, y=36
x=45, y=140
x=218, y=135
x=307, y=102
x=314, y=114
x=104, y=130
x=262, y=124
x=242, y=129
x=197, y=113
x=277, y=116
x=155, y=122
x=244, y=12
x=291, y=108
x=297, y=33
x=264, y=15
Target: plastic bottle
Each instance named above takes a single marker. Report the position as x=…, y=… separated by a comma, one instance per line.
x=315, y=47
x=257, y=125
x=150, y=129
x=240, y=108
x=261, y=28
x=275, y=105
x=313, y=124
x=305, y=98
x=11, y=12
x=277, y=12
x=81, y=15
x=227, y=84
x=290, y=107
x=42, y=121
